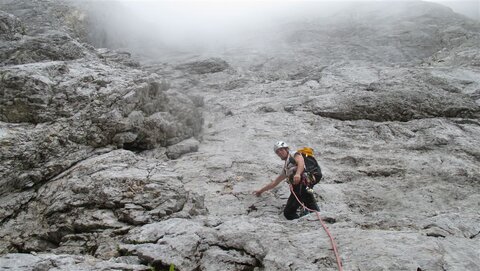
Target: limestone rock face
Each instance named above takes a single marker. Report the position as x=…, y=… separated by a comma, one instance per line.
x=187, y=146
x=212, y=65
x=419, y=95
x=52, y=45
x=11, y=27
x=118, y=161
x=65, y=262
x=112, y=191
x=66, y=110
x=61, y=99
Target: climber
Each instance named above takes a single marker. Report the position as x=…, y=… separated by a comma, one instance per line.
x=293, y=170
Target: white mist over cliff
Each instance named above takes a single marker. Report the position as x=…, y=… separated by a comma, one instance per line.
x=198, y=25
x=153, y=27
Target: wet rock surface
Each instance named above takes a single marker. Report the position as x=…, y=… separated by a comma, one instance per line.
x=111, y=162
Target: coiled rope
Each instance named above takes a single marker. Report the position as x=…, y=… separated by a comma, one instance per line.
x=334, y=246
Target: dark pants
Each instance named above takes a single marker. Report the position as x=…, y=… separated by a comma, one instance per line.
x=306, y=198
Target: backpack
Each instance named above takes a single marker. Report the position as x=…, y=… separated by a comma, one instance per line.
x=312, y=168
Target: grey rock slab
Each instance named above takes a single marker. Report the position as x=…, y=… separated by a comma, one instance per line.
x=406, y=251
x=62, y=262
x=106, y=192
x=205, y=66
x=238, y=241
x=65, y=98
x=216, y=258
x=11, y=28
x=186, y=146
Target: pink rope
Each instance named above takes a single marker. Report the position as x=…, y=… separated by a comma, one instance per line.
x=334, y=246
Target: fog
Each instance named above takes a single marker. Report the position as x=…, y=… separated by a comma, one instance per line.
x=469, y=8
x=154, y=27
x=195, y=25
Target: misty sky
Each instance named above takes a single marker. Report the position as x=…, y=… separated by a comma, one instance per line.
x=470, y=8
x=216, y=16
x=206, y=23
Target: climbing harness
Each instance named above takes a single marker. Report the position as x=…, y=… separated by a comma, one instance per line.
x=334, y=246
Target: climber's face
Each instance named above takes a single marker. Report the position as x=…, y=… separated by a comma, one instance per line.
x=282, y=153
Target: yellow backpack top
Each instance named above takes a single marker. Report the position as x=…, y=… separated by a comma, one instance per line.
x=306, y=150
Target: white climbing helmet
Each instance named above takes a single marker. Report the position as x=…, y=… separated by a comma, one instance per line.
x=279, y=145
